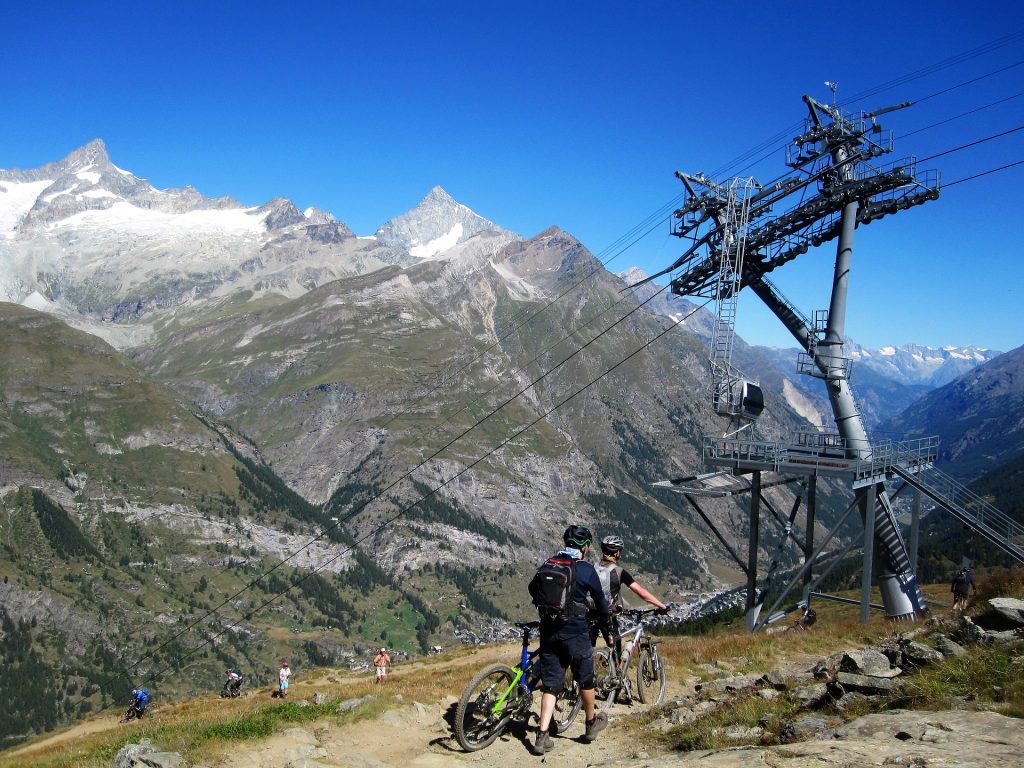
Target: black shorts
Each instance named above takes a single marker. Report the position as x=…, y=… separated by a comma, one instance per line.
x=559, y=653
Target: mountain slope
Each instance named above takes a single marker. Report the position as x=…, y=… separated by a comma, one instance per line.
x=136, y=538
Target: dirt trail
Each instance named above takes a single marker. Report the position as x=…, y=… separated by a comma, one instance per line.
x=419, y=736
x=409, y=735
x=415, y=735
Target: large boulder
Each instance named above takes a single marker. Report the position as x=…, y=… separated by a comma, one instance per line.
x=144, y=755
x=918, y=654
x=867, y=683
x=868, y=661
x=1007, y=610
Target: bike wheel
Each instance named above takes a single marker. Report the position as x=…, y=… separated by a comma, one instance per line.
x=604, y=672
x=567, y=704
x=477, y=722
x=129, y=714
x=650, y=677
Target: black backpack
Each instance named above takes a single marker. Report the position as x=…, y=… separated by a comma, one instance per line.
x=554, y=586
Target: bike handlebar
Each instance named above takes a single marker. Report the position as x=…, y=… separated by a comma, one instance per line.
x=637, y=613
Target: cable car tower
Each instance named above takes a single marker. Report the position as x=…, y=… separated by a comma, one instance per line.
x=738, y=232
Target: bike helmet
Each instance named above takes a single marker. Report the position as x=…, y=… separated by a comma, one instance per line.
x=284, y=663
x=383, y=650
x=577, y=536
x=611, y=545
x=134, y=691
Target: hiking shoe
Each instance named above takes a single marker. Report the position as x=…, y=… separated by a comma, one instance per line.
x=595, y=726
x=543, y=743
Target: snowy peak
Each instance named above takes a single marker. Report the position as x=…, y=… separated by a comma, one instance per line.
x=917, y=364
x=632, y=275
x=437, y=225
x=92, y=155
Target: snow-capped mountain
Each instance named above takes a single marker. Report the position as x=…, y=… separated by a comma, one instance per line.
x=437, y=225
x=112, y=254
x=915, y=364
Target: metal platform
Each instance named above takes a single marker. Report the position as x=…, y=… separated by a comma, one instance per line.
x=716, y=484
x=825, y=454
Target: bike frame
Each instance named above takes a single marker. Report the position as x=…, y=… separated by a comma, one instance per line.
x=638, y=636
x=526, y=663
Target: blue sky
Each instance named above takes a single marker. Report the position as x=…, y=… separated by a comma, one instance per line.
x=533, y=114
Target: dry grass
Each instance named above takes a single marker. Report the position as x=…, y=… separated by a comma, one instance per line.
x=203, y=726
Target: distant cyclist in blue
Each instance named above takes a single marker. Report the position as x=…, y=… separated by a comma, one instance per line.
x=140, y=698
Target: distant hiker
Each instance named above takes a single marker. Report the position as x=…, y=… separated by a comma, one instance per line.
x=613, y=577
x=282, y=680
x=233, y=684
x=381, y=662
x=807, y=618
x=962, y=584
x=140, y=698
x=564, y=631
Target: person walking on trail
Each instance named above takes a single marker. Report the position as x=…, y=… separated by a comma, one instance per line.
x=565, y=640
x=807, y=618
x=613, y=577
x=283, y=675
x=381, y=662
x=963, y=584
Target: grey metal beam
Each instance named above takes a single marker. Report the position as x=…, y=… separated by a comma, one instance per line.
x=714, y=530
x=867, y=500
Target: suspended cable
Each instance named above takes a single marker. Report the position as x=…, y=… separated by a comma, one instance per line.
x=963, y=114
x=972, y=144
x=983, y=173
x=937, y=67
x=969, y=82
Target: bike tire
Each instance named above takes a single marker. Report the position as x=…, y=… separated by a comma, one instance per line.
x=130, y=714
x=604, y=673
x=650, y=677
x=567, y=704
x=476, y=725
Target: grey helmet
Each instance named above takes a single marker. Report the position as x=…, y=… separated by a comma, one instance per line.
x=611, y=545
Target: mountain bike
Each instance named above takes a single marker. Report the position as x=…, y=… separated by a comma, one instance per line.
x=500, y=694
x=133, y=712
x=611, y=673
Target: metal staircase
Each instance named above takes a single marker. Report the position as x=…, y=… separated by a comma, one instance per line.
x=894, y=550
x=969, y=508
